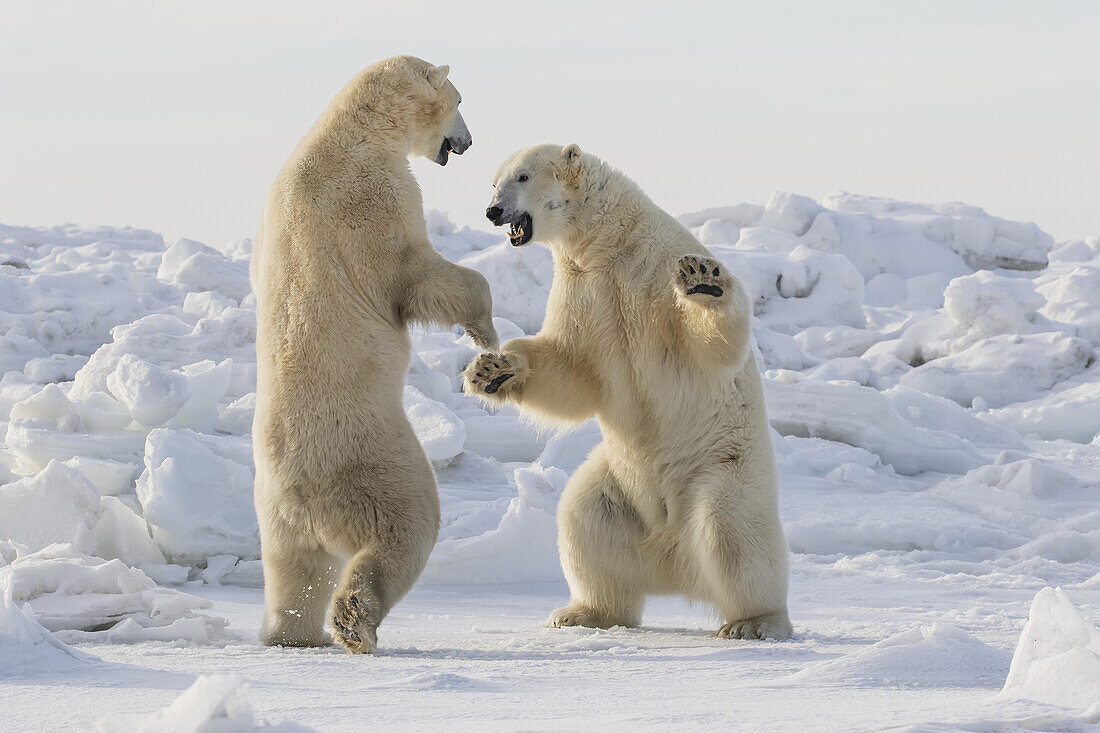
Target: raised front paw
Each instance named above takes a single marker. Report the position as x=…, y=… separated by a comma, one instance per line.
x=701, y=277
x=490, y=374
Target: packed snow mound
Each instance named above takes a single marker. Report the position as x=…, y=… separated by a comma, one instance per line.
x=939, y=655
x=986, y=304
x=1003, y=369
x=1068, y=411
x=440, y=431
x=863, y=417
x=49, y=426
x=1057, y=660
x=213, y=704
x=80, y=598
x=981, y=240
x=196, y=495
x=67, y=306
x=150, y=394
x=57, y=505
x=203, y=269
x=61, y=505
x=884, y=235
x=520, y=281
x=25, y=644
x=797, y=288
x=522, y=547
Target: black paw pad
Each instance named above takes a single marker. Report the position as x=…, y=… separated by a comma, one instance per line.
x=494, y=385
x=705, y=289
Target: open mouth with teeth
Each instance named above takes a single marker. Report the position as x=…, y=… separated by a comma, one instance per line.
x=521, y=230
x=444, y=152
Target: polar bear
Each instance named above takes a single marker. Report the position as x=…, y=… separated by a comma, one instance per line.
x=646, y=331
x=341, y=266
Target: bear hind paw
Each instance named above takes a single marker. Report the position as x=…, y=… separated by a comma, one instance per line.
x=775, y=626
x=352, y=626
x=576, y=615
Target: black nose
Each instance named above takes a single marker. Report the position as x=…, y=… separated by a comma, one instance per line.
x=494, y=213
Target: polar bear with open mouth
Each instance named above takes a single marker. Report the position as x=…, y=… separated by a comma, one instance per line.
x=647, y=332
x=345, y=496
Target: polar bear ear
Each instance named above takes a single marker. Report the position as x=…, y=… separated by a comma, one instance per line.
x=438, y=74
x=571, y=162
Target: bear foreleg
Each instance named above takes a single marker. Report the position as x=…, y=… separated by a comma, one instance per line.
x=445, y=294
x=715, y=313
x=538, y=375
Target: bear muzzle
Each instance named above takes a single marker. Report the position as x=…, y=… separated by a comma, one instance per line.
x=520, y=226
x=457, y=140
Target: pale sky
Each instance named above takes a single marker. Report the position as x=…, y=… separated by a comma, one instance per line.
x=176, y=117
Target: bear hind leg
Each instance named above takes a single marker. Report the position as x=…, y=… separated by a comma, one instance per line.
x=359, y=605
x=742, y=560
x=390, y=558
x=599, y=538
x=297, y=589
x=373, y=582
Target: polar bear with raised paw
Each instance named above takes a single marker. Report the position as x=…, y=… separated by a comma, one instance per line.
x=650, y=334
x=345, y=496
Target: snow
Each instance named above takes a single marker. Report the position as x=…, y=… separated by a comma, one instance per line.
x=57, y=505
x=25, y=644
x=80, y=597
x=937, y=655
x=931, y=379
x=1058, y=657
x=836, y=409
x=196, y=494
x=214, y=704
x=439, y=430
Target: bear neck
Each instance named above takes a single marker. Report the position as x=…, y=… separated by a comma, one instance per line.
x=354, y=122
x=608, y=209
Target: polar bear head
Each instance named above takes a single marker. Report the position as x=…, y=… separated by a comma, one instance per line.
x=534, y=192
x=412, y=102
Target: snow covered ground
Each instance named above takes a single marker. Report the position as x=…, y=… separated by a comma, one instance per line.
x=931, y=377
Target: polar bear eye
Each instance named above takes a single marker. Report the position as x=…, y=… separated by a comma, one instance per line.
x=522, y=178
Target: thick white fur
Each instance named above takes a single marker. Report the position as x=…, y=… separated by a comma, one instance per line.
x=680, y=497
x=341, y=266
